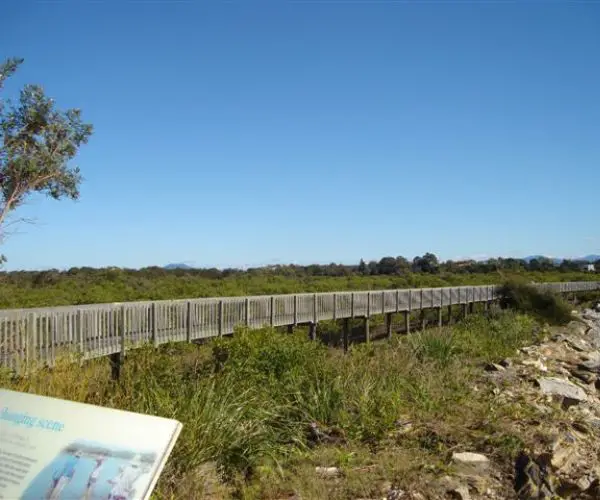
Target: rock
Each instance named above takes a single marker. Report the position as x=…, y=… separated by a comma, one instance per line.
x=395, y=494
x=493, y=367
x=578, y=344
x=460, y=492
x=570, y=393
x=593, y=336
x=584, y=375
x=532, y=478
x=506, y=363
x=536, y=363
x=328, y=472
x=471, y=461
x=577, y=327
x=592, y=365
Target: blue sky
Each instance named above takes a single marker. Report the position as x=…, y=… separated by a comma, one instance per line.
x=249, y=133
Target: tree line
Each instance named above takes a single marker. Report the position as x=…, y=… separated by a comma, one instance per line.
x=386, y=266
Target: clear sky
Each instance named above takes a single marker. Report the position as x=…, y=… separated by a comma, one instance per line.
x=258, y=132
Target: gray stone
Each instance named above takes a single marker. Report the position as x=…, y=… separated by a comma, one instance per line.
x=506, y=363
x=460, y=493
x=570, y=392
x=537, y=363
x=592, y=365
x=328, y=472
x=577, y=327
x=471, y=461
x=493, y=367
x=593, y=336
x=586, y=376
x=578, y=344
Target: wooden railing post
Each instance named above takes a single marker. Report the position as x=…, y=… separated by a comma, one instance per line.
x=272, y=310
x=188, y=322
x=221, y=318
x=247, y=312
x=295, y=310
x=30, y=343
x=334, y=307
x=154, y=326
x=81, y=334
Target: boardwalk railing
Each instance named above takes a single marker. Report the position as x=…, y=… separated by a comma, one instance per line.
x=41, y=334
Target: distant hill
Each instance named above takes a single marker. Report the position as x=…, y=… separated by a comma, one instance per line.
x=591, y=258
x=180, y=265
x=558, y=260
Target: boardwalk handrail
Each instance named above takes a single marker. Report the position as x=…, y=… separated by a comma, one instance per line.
x=94, y=330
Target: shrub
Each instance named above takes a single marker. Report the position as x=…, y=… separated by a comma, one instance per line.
x=543, y=304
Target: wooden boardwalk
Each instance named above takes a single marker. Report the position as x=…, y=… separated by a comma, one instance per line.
x=40, y=335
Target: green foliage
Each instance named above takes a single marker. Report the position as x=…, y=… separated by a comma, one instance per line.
x=88, y=286
x=37, y=143
x=520, y=295
x=247, y=402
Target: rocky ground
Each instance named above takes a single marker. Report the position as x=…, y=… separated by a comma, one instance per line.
x=559, y=381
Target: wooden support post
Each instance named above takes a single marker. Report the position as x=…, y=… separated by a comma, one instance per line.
x=472, y=308
x=388, y=325
x=290, y=329
x=346, y=333
x=423, y=319
x=367, y=330
x=440, y=317
x=115, y=365
x=465, y=308
x=272, y=310
x=312, y=331
x=117, y=359
x=407, y=322
x=450, y=320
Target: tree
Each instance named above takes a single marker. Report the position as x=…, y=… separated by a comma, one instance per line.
x=428, y=263
x=402, y=265
x=387, y=265
x=362, y=267
x=37, y=142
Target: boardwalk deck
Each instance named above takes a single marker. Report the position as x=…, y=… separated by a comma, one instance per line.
x=39, y=335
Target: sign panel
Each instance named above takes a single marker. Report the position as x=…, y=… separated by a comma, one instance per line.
x=54, y=449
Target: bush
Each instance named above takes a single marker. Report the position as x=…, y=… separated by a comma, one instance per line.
x=526, y=298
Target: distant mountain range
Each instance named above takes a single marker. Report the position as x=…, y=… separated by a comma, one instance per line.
x=179, y=265
x=558, y=260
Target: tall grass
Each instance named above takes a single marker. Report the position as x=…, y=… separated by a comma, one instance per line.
x=249, y=403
